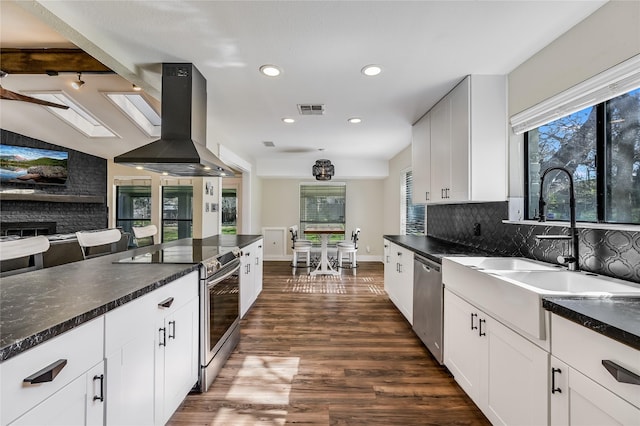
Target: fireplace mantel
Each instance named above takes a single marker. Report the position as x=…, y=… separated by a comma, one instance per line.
x=50, y=198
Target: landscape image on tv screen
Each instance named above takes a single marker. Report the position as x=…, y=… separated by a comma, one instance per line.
x=21, y=164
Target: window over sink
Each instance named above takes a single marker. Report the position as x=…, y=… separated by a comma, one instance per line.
x=600, y=145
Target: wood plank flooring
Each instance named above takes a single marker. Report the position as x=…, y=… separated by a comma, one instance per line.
x=328, y=351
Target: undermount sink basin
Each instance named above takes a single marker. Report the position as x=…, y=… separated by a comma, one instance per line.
x=507, y=264
x=569, y=283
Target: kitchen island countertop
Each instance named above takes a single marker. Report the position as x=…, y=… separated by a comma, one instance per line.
x=39, y=305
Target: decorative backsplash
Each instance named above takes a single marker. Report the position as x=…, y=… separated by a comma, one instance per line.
x=606, y=252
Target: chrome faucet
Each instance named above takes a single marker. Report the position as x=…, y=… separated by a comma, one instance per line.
x=572, y=259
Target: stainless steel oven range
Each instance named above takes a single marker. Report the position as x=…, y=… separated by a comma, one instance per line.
x=219, y=314
x=219, y=293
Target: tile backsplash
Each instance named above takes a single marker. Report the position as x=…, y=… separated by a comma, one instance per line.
x=606, y=252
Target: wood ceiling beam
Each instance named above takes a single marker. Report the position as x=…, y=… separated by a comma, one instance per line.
x=49, y=61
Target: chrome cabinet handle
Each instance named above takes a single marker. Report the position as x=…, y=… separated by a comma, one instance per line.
x=47, y=374
x=166, y=303
x=554, y=389
x=620, y=373
x=101, y=397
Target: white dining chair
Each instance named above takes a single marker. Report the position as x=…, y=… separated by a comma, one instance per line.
x=89, y=239
x=144, y=233
x=299, y=248
x=349, y=249
x=23, y=247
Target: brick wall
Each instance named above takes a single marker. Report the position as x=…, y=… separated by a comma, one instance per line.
x=87, y=176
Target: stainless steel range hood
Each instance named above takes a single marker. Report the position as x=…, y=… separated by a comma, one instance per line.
x=181, y=149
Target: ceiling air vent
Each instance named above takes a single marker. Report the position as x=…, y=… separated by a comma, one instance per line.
x=269, y=144
x=311, y=109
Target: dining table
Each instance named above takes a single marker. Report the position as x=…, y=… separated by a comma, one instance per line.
x=324, y=267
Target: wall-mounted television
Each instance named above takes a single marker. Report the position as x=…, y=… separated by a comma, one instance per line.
x=21, y=164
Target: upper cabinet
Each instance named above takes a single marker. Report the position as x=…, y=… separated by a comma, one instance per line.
x=459, y=148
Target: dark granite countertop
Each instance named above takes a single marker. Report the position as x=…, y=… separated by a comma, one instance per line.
x=615, y=317
x=36, y=306
x=434, y=248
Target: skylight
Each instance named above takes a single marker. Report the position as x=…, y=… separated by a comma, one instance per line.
x=136, y=107
x=75, y=115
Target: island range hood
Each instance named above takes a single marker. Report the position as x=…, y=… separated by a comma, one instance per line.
x=181, y=149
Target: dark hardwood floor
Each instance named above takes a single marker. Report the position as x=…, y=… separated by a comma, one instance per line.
x=328, y=351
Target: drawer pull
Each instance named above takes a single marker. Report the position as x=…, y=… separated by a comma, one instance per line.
x=166, y=303
x=621, y=374
x=47, y=374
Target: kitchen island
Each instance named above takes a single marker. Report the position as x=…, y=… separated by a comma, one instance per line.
x=61, y=326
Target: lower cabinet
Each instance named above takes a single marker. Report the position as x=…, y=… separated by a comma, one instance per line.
x=398, y=278
x=582, y=390
x=59, y=382
x=501, y=371
x=151, y=352
x=250, y=275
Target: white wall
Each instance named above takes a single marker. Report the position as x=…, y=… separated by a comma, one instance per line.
x=392, y=184
x=364, y=209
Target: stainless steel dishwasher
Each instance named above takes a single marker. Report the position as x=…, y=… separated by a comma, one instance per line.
x=427, y=304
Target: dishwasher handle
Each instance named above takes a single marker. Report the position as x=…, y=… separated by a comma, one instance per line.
x=426, y=264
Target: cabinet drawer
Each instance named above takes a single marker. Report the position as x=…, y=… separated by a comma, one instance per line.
x=81, y=347
x=140, y=315
x=584, y=350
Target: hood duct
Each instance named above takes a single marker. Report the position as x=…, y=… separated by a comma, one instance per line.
x=181, y=149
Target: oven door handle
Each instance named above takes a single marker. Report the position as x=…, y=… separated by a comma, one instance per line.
x=215, y=281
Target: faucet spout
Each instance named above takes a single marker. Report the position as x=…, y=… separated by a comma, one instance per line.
x=572, y=259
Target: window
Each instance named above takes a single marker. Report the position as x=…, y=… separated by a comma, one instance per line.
x=177, y=212
x=133, y=207
x=137, y=108
x=600, y=146
x=322, y=205
x=412, y=215
x=229, y=211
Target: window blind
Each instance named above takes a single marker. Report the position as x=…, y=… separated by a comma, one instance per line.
x=322, y=204
x=613, y=82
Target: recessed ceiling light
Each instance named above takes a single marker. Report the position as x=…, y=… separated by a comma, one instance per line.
x=137, y=88
x=288, y=120
x=371, y=70
x=354, y=120
x=270, y=70
x=139, y=167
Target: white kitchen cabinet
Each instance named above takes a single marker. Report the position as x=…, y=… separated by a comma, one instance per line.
x=81, y=402
x=250, y=275
x=582, y=390
x=398, y=278
x=66, y=366
x=503, y=373
x=467, y=143
x=176, y=358
x=146, y=368
x=421, y=160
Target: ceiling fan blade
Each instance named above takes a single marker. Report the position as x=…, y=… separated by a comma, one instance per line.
x=13, y=96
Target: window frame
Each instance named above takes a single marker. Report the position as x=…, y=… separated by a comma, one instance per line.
x=603, y=156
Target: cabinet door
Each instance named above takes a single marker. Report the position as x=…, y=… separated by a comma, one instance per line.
x=180, y=369
x=74, y=404
x=558, y=392
x=459, y=156
x=587, y=403
x=516, y=377
x=421, y=160
x=258, y=265
x=440, y=150
x=462, y=347
x=405, y=283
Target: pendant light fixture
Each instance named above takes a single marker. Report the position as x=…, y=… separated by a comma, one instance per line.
x=78, y=84
x=323, y=170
